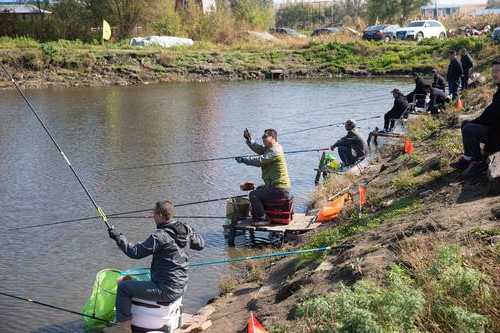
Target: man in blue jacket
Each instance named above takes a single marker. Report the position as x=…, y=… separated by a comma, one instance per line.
x=484, y=129
x=169, y=267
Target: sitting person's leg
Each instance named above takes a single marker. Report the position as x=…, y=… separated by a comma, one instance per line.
x=262, y=194
x=345, y=154
x=472, y=137
x=145, y=290
x=387, y=120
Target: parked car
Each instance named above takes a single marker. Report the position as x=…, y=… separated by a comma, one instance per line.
x=383, y=32
x=325, y=31
x=286, y=32
x=418, y=30
x=496, y=35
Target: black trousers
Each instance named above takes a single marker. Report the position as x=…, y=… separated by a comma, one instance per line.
x=389, y=119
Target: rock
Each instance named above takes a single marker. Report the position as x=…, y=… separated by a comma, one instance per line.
x=496, y=212
x=202, y=327
x=425, y=194
x=387, y=203
x=494, y=174
x=433, y=163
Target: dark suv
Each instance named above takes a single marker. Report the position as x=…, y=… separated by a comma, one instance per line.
x=385, y=32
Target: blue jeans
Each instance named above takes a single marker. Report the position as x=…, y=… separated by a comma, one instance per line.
x=146, y=290
x=472, y=136
x=453, y=87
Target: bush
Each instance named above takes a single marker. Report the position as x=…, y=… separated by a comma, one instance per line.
x=367, y=307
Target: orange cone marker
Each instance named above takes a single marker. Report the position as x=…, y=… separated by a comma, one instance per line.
x=254, y=326
x=459, y=105
x=408, y=149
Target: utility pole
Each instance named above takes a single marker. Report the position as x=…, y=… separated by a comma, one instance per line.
x=436, y=16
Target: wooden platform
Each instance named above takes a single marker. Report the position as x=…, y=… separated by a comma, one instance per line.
x=300, y=224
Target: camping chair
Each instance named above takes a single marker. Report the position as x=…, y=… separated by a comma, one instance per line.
x=413, y=104
x=401, y=121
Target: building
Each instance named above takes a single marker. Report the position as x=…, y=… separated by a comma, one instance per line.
x=452, y=7
x=206, y=5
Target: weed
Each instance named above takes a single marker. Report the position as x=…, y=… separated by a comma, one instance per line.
x=367, y=307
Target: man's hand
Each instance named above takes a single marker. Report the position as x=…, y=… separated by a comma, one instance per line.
x=333, y=147
x=239, y=159
x=247, y=135
x=113, y=234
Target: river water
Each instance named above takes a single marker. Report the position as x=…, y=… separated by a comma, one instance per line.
x=115, y=127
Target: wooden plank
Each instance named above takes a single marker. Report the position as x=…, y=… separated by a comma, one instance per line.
x=494, y=174
x=300, y=222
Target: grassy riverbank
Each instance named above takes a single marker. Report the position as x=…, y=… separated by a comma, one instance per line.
x=423, y=257
x=66, y=63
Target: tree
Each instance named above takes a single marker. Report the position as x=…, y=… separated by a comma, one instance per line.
x=493, y=4
x=393, y=10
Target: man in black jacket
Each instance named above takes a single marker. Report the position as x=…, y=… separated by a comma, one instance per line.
x=439, y=81
x=398, y=109
x=454, y=75
x=352, y=147
x=467, y=65
x=417, y=96
x=169, y=266
x=484, y=129
x=437, y=99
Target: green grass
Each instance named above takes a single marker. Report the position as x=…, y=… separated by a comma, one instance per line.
x=441, y=296
x=358, y=224
x=332, y=56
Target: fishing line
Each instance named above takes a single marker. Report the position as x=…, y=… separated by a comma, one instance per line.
x=328, y=125
x=53, y=307
x=99, y=210
x=114, y=215
x=145, y=166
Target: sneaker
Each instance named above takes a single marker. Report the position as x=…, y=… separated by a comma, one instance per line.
x=461, y=164
x=259, y=221
x=476, y=168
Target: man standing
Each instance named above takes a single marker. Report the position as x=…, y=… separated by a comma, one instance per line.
x=169, y=274
x=271, y=160
x=467, y=65
x=438, y=81
x=398, y=109
x=352, y=148
x=484, y=129
x=454, y=75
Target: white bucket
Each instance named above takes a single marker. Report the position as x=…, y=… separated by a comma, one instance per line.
x=149, y=316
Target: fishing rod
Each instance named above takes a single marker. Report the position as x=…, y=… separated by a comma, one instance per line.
x=99, y=210
x=177, y=217
x=115, y=215
x=156, y=165
x=328, y=125
x=53, y=307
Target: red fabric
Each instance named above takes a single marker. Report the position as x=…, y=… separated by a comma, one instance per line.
x=254, y=326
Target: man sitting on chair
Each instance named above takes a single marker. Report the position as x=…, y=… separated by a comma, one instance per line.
x=398, y=109
x=169, y=266
x=484, y=129
x=352, y=148
x=271, y=159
